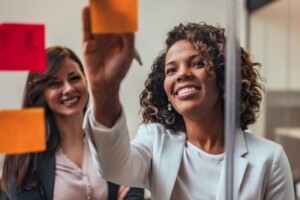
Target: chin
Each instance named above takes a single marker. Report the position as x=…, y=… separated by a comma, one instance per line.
x=69, y=113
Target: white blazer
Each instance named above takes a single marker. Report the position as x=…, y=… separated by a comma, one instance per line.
x=153, y=159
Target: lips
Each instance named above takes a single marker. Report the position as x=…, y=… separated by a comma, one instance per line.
x=70, y=101
x=186, y=90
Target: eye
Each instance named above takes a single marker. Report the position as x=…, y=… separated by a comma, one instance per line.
x=75, y=78
x=199, y=63
x=171, y=70
x=53, y=84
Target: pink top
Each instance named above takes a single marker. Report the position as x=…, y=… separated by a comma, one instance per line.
x=72, y=182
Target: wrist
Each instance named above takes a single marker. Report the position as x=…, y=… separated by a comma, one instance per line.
x=107, y=106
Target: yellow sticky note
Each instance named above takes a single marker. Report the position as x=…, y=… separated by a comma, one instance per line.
x=22, y=131
x=113, y=16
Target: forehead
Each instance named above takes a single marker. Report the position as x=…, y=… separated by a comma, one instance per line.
x=67, y=66
x=180, y=50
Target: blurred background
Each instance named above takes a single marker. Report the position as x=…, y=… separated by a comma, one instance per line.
x=270, y=29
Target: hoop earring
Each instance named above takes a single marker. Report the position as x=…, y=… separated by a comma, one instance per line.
x=169, y=107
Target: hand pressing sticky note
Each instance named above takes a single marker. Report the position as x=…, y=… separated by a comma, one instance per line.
x=22, y=47
x=113, y=16
x=22, y=131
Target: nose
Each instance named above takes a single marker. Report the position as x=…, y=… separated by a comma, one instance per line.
x=68, y=88
x=184, y=74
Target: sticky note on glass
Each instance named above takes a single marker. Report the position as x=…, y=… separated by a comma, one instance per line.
x=113, y=16
x=22, y=47
x=22, y=131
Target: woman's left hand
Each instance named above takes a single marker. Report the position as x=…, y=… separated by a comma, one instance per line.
x=122, y=192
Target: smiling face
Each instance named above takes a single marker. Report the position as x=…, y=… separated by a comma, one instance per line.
x=187, y=84
x=66, y=91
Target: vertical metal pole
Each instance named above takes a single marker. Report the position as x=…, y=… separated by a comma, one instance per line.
x=248, y=29
x=232, y=96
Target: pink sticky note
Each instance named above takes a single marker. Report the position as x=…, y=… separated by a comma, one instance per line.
x=22, y=47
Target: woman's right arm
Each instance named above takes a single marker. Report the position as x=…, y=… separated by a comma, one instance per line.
x=117, y=160
x=107, y=58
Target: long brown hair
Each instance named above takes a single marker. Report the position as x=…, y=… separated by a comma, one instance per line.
x=16, y=167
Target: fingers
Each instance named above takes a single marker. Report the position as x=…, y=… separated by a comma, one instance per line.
x=125, y=41
x=123, y=190
x=137, y=57
x=128, y=40
x=86, y=22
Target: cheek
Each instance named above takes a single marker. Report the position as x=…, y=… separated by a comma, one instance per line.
x=47, y=96
x=86, y=94
x=83, y=87
x=50, y=96
x=167, y=87
x=213, y=88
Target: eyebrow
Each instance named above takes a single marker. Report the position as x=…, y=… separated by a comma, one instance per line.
x=189, y=58
x=70, y=74
x=53, y=78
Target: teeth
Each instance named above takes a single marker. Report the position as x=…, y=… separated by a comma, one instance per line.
x=70, y=101
x=186, y=90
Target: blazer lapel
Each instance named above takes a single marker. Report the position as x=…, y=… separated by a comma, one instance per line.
x=240, y=166
x=241, y=163
x=46, y=174
x=169, y=165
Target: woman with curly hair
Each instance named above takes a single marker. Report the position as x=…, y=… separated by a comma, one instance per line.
x=178, y=152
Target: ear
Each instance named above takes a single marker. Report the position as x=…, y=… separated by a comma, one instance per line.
x=212, y=74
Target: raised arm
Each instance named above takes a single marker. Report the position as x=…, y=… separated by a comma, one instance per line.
x=107, y=58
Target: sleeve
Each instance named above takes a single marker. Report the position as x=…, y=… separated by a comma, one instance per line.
x=135, y=194
x=280, y=183
x=116, y=159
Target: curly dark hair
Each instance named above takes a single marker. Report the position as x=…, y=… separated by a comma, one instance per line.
x=209, y=41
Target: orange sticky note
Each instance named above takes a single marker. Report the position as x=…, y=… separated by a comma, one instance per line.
x=22, y=131
x=113, y=16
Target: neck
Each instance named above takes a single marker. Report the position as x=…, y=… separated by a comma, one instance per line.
x=207, y=133
x=70, y=128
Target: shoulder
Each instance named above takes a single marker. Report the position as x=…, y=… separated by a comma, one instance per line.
x=46, y=165
x=270, y=161
x=263, y=150
x=155, y=134
x=256, y=142
x=159, y=130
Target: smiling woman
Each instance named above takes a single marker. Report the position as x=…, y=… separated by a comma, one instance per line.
x=179, y=152
x=66, y=92
x=188, y=86
x=65, y=170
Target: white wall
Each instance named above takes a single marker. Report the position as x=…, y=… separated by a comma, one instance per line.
x=63, y=27
x=275, y=32
x=275, y=43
